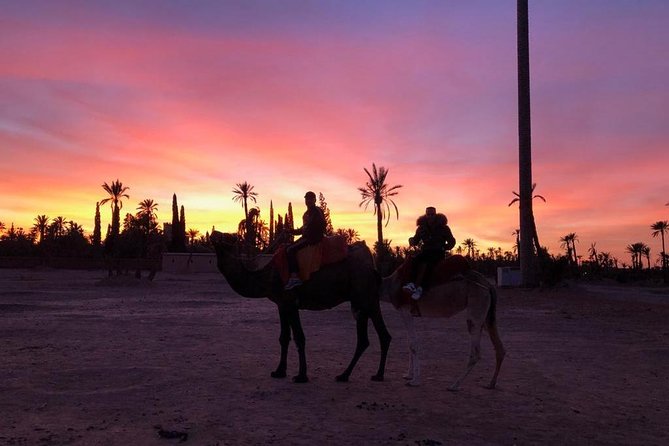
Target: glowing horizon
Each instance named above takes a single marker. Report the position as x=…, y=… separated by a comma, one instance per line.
x=191, y=100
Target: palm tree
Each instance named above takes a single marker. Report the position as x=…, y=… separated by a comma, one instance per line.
x=645, y=250
x=74, y=228
x=569, y=241
x=660, y=228
x=376, y=191
x=526, y=253
x=633, y=251
x=58, y=226
x=566, y=244
x=517, y=199
x=243, y=192
x=535, y=235
x=116, y=192
x=636, y=250
x=192, y=233
x=350, y=235
x=592, y=253
x=469, y=244
x=147, y=214
x=148, y=208
x=41, y=225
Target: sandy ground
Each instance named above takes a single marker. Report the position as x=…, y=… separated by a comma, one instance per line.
x=90, y=361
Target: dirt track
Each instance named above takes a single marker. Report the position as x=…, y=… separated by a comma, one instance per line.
x=86, y=360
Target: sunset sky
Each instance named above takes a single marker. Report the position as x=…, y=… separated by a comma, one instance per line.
x=191, y=97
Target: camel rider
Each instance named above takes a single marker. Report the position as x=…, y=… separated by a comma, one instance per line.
x=437, y=238
x=312, y=232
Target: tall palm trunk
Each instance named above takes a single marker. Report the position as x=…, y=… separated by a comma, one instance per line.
x=664, y=253
x=379, y=226
x=535, y=237
x=526, y=251
x=665, y=270
x=116, y=221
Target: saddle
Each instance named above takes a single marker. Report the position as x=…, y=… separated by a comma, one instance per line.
x=447, y=270
x=444, y=271
x=312, y=258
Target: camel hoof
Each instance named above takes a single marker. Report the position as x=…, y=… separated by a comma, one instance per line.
x=413, y=383
x=407, y=376
x=453, y=388
x=343, y=378
x=278, y=374
x=300, y=379
x=377, y=378
x=490, y=386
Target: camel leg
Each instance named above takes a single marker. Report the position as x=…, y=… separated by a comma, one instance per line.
x=413, y=373
x=361, y=345
x=300, y=342
x=284, y=341
x=474, y=354
x=384, y=341
x=499, y=352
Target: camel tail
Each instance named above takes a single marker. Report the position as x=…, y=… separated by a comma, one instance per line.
x=492, y=311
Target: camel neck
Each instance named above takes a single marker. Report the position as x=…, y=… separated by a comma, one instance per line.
x=245, y=282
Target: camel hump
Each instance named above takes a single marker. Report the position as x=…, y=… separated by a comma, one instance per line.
x=312, y=258
x=454, y=265
x=334, y=249
x=444, y=271
x=360, y=254
x=450, y=268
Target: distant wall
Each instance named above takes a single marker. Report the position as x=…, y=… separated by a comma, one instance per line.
x=189, y=262
x=52, y=262
x=508, y=277
x=77, y=263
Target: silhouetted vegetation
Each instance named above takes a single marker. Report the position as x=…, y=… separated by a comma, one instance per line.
x=139, y=236
x=379, y=194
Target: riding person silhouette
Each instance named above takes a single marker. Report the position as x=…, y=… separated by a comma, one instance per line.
x=436, y=238
x=312, y=231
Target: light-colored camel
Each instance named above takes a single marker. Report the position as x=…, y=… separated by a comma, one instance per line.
x=473, y=293
x=353, y=280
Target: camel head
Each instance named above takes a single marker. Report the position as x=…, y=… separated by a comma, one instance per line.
x=224, y=243
x=241, y=273
x=219, y=239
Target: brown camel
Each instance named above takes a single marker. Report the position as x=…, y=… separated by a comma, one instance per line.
x=353, y=280
x=473, y=293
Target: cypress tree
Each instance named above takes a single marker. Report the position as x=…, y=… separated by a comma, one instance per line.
x=97, y=237
x=279, y=224
x=182, y=229
x=271, y=221
x=290, y=223
x=174, y=245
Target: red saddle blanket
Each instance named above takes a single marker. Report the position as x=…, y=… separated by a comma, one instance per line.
x=443, y=272
x=311, y=258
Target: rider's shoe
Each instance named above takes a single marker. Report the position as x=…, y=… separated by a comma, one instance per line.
x=409, y=287
x=417, y=294
x=292, y=283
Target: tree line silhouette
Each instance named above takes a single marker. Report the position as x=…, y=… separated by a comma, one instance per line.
x=139, y=235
